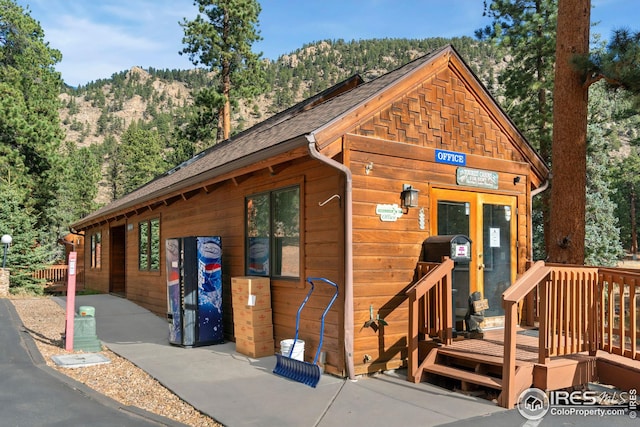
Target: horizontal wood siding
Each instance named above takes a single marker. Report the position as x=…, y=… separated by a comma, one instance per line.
x=221, y=212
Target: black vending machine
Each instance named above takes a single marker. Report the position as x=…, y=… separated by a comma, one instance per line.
x=194, y=290
x=458, y=248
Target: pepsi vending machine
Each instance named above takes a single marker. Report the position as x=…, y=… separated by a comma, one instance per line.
x=194, y=290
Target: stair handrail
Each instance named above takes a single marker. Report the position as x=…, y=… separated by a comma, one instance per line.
x=538, y=272
x=442, y=274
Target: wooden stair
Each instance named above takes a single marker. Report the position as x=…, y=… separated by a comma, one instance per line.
x=473, y=370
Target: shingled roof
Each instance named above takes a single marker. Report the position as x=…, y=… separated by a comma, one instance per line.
x=277, y=134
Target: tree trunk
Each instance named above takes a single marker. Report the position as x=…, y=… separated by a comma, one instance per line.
x=634, y=229
x=569, y=148
x=225, y=124
x=226, y=108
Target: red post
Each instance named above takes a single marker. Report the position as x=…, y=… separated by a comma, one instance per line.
x=71, y=300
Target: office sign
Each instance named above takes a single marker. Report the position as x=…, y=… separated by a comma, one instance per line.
x=451, y=158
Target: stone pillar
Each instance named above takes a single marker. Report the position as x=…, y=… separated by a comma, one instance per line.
x=4, y=282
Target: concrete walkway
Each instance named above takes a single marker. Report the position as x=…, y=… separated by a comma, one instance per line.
x=237, y=390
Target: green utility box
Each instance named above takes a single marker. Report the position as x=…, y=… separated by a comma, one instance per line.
x=84, y=331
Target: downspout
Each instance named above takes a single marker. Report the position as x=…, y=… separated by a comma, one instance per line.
x=348, y=253
x=534, y=193
x=540, y=189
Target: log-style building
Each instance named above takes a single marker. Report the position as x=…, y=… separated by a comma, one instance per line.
x=316, y=191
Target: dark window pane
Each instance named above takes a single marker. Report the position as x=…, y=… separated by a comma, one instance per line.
x=143, y=235
x=258, y=231
x=154, y=245
x=286, y=231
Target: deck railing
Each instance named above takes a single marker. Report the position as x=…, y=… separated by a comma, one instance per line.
x=53, y=273
x=620, y=321
x=527, y=283
x=55, y=276
x=430, y=310
x=569, y=312
x=579, y=309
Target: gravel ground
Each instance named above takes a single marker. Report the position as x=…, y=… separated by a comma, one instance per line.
x=121, y=380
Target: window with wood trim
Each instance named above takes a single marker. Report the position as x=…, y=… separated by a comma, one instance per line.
x=273, y=233
x=149, y=245
x=96, y=250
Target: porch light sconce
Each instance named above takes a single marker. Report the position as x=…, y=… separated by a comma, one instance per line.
x=409, y=197
x=516, y=180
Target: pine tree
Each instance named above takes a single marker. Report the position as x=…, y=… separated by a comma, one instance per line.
x=30, y=138
x=29, y=121
x=18, y=219
x=140, y=155
x=221, y=40
x=627, y=183
x=79, y=181
x=602, y=234
x=618, y=65
x=525, y=30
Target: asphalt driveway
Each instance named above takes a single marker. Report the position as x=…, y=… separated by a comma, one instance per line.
x=33, y=394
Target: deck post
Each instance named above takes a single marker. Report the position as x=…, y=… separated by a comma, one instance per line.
x=543, y=323
x=412, y=359
x=507, y=397
x=447, y=310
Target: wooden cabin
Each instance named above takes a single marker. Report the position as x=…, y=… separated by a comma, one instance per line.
x=320, y=188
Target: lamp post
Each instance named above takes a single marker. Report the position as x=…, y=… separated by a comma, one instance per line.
x=6, y=241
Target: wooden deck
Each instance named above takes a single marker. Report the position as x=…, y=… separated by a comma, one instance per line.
x=586, y=332
x=55, y=279
x=478, y=363
x=492, y=344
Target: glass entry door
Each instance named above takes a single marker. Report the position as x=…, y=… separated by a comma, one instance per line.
x=489, y=220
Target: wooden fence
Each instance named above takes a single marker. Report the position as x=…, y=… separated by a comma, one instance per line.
x=53, y=274
x=55, y=277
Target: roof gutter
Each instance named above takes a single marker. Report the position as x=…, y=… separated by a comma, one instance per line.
x=348, y=253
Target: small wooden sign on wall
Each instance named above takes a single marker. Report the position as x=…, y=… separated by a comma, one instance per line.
x=477, y=178
x=389, y=213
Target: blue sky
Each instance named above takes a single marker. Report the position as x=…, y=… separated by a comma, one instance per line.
x=98, y=38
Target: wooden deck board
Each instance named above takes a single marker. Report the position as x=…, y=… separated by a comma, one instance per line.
x=465, y=376
x=493, y=345
x=471, y=355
